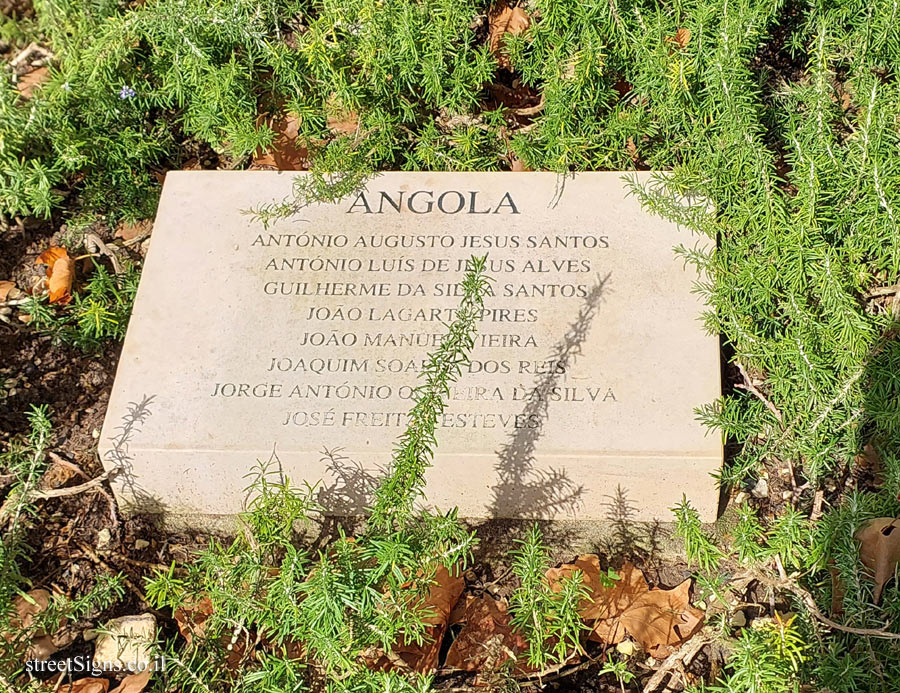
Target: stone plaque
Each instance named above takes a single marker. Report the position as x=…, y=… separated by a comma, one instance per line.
x=307, y=337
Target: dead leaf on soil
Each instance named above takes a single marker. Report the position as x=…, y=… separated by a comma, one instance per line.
x=682, y=37
x=660, y=620
x=86, y=686
x=502, y=20
x=838, y=590
x=28, y=606
x=6, y=287
x=42, y=645
x=284, y=154
x=879, y=550
x=60, y=273
x=344, y=123
x=517, y=165
x=28, y=83
x=487, y=631
x=135, y=683
x=603, y=602
x=870, y=461
x=191, y=618
x=442, y=597
x=631, y=148
x=129, y=232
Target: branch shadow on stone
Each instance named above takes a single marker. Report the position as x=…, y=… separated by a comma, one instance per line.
x=523, y=490
x=628, y=537
x=120, y=459
x=349, y=493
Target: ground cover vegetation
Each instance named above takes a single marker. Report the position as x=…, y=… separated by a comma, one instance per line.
x=777, y=122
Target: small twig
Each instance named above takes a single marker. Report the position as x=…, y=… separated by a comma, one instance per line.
x=818, y=499
x=883, y=291
x=810, y=604
x=92, y=555
x=63, y=462
x=559, y=671
x=791, y=586
x=497, y=580
x=780, y=567
x=530, y=110
x=93, y=240
x=762, y=398
x=685, y=653
x=74, y=490
x=28, y=51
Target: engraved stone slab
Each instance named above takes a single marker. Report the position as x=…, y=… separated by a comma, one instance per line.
x=307, y=337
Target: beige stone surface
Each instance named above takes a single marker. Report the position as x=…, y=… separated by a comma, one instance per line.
x=307, y=338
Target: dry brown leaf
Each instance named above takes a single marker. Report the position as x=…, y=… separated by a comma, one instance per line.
x=6, y=287
x=682, y=37
x=135, y=683
x=42, y=645
x=60, y=273
x=27, y=607
x=609, y=603
x=442, y=597
x=838, y=590
x=28, y=83
x=191, y=618
x=660, y=620
x=346, y=123
x=631, y=148
x=504, y=19
x=603, y=602
x=517, y=165
x=487, y=631
x=128, y=232
x=86, y=686
x=869, y=460
x=879, y=550
x=284, y=154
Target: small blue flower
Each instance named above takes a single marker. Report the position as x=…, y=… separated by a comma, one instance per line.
x=127, y=92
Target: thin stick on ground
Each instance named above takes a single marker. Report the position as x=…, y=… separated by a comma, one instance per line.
x=750, y=387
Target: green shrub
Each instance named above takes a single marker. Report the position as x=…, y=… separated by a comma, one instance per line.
x=98, y=311
x=356, y=597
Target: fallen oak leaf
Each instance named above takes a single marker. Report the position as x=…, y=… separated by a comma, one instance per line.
x=284, y=154
x=443, y=594
x=487, y=626
x=191, y=618
x=31, y=81
x=879, y=550
x=60, y=273
x=345, y=123
x=504, y=19
x=869, y=460
x=42, y=645
x=611, y=602
x=604, y=600
x=6, y=287
x=660, y=620
x=138, y=229
x=682, y=37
